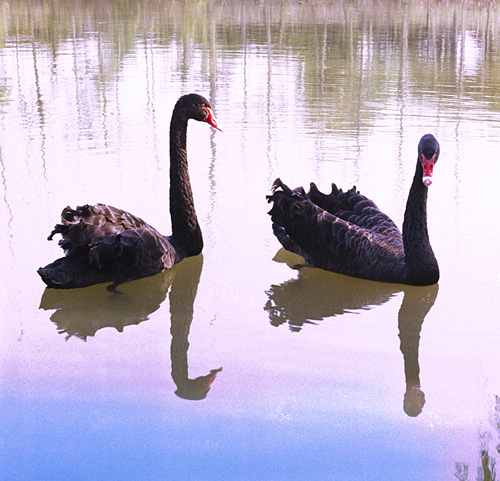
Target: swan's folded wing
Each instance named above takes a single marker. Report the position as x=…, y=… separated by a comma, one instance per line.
x=138, y=250
x=117, y=258
x=110, y=216
x=325, y=240
x=103, y=244
x=330, y=242
x=355, y=208
x=88, y=224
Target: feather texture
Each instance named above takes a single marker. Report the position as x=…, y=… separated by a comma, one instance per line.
x=105, y=244
x=345, y=232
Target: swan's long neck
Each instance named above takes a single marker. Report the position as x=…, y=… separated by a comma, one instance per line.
x=421, y=264
x=186, y=233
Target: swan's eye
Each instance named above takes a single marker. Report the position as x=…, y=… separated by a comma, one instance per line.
x=210, y=118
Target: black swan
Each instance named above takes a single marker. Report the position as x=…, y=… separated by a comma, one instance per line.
x=106, y=244
x=345, y=232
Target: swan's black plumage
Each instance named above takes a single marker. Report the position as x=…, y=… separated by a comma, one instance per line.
x=106, y=244
x=345, y=232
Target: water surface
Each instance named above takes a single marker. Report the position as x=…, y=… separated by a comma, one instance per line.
x=316, y=367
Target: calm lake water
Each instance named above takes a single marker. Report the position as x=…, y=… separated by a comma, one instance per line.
x=315, y=366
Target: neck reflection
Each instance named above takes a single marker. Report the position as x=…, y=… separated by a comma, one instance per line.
x=82, y=312
x=182, y=296
x=317, y=294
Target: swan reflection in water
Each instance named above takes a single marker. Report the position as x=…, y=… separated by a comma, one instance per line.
x=82, y=312
x=317, y=294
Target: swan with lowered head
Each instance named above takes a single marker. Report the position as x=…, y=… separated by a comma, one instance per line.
x=106, y=244
x=345, y=232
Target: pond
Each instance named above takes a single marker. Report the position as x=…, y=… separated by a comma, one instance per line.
x=243, y=363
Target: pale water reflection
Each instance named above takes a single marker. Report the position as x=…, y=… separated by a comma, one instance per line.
x=316, y=295
x=323, y=376
x=82, y=312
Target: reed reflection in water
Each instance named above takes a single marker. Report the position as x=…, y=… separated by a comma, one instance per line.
x=306, y=91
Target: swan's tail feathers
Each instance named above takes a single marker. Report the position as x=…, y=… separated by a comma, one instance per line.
x=283, y=199
x=70, y=217
x=288, y=214
x=284, y=239
x=71, y=272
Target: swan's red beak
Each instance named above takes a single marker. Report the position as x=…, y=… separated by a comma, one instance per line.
x=428, y=166
x=211, y=119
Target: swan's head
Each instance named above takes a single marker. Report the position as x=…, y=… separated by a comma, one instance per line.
x=414, y=401
x=196, y=389
x=197, y=107
x=428, y=154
